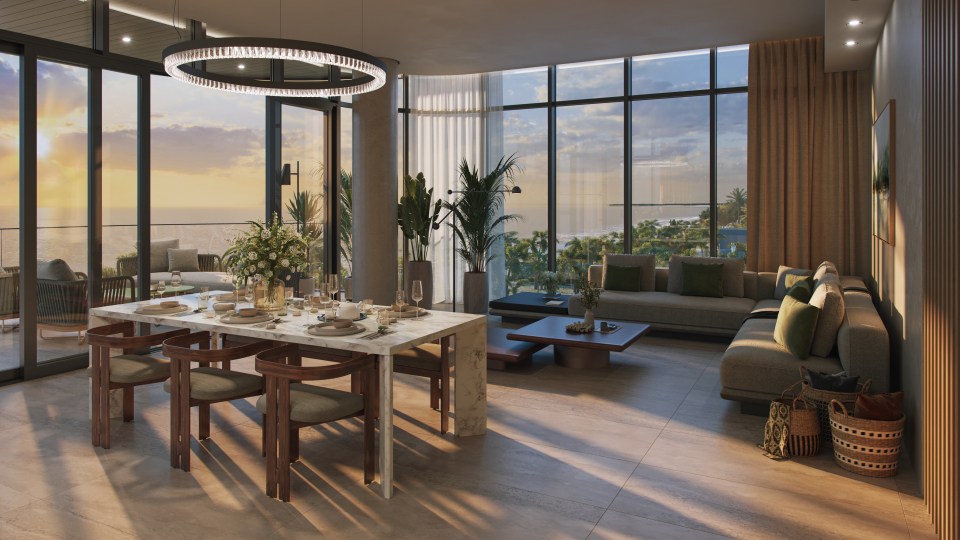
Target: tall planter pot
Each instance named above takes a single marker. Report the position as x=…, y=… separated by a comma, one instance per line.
x=422, y=270
x=476, y=292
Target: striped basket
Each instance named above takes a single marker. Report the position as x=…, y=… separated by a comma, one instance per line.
x=865, y=447
x=803, y=439
x=822, y=398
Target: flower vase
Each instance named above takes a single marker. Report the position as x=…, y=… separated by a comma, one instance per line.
x=588, y=318
x=268, y=295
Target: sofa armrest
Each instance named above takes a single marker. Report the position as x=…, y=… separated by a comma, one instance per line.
x=595, y=274
x=863, y=342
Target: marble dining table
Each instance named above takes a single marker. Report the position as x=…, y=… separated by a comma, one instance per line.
x=468, y=358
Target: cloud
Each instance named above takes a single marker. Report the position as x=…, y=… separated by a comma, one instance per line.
x=9, y=90
x=61, y=90
x=203, y=149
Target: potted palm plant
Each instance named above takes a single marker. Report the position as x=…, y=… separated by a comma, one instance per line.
x=418, y=215
x=479, y=211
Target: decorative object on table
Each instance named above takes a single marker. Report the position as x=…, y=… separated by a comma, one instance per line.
x=582, y=327
x=550, y=282
x=608, y=327
x=477, y=216
x=176, y=279
x=776, y=432
x=589, y=296
x=883, y=185
x=864, y=446
x=803, y=438
x=418, y=215
x=349, y=310
x=821, y=399
x=261, y=254
x=224, y=306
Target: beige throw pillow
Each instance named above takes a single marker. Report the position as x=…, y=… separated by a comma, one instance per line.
x=183, y=260
x=732, y=273
x=782, y=272
x=159, y=261
x=647, y=263
x=826, y=267
x=828, y=296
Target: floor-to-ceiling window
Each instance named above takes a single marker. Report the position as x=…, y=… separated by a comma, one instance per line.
x=119, y=174
x=9, y=211
x=644, y=155
x=305, y=199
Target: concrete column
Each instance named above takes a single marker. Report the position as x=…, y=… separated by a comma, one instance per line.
x=375, y=191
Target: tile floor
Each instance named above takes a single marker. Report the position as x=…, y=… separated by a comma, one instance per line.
x=644, y=449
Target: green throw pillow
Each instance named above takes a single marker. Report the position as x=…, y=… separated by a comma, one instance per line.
x=622, y=278
x=702, y=279
x=796, y=323
x=801, y=290
x=792, y=279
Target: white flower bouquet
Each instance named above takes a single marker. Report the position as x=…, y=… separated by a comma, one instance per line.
x=264, y=251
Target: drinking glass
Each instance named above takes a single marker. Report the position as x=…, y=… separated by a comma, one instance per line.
x=248, y=294
x=333, y=281
x=401, y=302
x=204, y=298
x=161, y=288
x=287, y=298
x=416, y=294
x=175, y=279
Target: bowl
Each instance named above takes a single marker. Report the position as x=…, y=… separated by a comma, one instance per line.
x=223, y=306
x=170, y=304
x=348, y=311
x=247, y=312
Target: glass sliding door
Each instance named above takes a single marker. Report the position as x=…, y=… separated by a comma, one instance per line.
x=305, y=200
x=61, y=210
x=9, y=213
x=119, y=178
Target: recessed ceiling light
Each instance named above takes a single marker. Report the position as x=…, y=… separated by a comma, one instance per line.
x=241, y=66
x=126, y=39
x=850, y=43
x=854, y=22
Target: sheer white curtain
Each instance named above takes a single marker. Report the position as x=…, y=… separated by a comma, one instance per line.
x=454, y=118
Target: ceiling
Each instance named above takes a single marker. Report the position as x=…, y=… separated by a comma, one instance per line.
x=837, y=32
x=438, y=37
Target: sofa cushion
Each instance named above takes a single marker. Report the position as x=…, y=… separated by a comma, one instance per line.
x=183, y=260
x=801, y=290
x=756, y=366
x=647, y=264
x=57, y=270
x=702, y=280
x=621, y=278
x=826, y=267
x=795, y=326
x=725, y=313
x=159, y=261
x=828, y=296
x=782, y=285
x=732, y=273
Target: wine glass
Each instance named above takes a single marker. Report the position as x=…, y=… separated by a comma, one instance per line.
x=161, y=288
x=287, y=298
x=401, y=302
x=175, y=279
x=416, y=294
x=334, y=282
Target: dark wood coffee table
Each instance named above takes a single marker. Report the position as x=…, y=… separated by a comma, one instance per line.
x=580, y=350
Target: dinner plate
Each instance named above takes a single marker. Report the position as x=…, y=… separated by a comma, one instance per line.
x=409, y=314
x=236, y=319
x=322, y=317
x=228, y=297
x=157, y=309
x=328, y=331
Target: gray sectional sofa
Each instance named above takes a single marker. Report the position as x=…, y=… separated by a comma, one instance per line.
x=205, y=270
x=755, y=368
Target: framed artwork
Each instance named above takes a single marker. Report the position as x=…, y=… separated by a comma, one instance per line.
x=882, y=179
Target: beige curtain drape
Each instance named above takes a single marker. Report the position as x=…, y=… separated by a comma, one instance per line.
x=805, y=185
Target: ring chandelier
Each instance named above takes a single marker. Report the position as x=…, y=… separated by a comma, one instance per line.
x=369, y=73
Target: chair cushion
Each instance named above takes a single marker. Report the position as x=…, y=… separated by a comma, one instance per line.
x=183, y=260
x=311, y=404
x=732, y=273
x=426, y=357
x=57, y=270
x=135, y=368
x=159, y=261
x=215, y=384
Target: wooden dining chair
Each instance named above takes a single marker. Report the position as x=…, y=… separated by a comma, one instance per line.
x=288, y=405
x=431, y=360
x=123, y=372
x=202, y=386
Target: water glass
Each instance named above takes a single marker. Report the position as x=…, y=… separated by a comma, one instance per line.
x=175, y=279
x=161, y=288
x=204, y=298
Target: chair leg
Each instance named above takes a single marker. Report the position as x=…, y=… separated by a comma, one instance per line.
x=294, y=444
x=128, y=404
x=263, y=435
x=369, y=446
x=204, y=421
x=283, y=463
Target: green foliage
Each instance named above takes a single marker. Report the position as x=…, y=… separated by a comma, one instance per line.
x=479, y=211
x=417, y=214
x=730, y=213
x=345, y=221
x=264, y=251
x=881, y=179
x=550, y=281
x=525, y=259
x=306, y=209
x=589, y=292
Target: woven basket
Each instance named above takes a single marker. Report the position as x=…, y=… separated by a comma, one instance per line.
x=866, y=447
x=821, y=400
x=803, y=438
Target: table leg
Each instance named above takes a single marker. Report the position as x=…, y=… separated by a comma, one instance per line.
x=386, y=425
x=580, y=358
x=470, y=381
